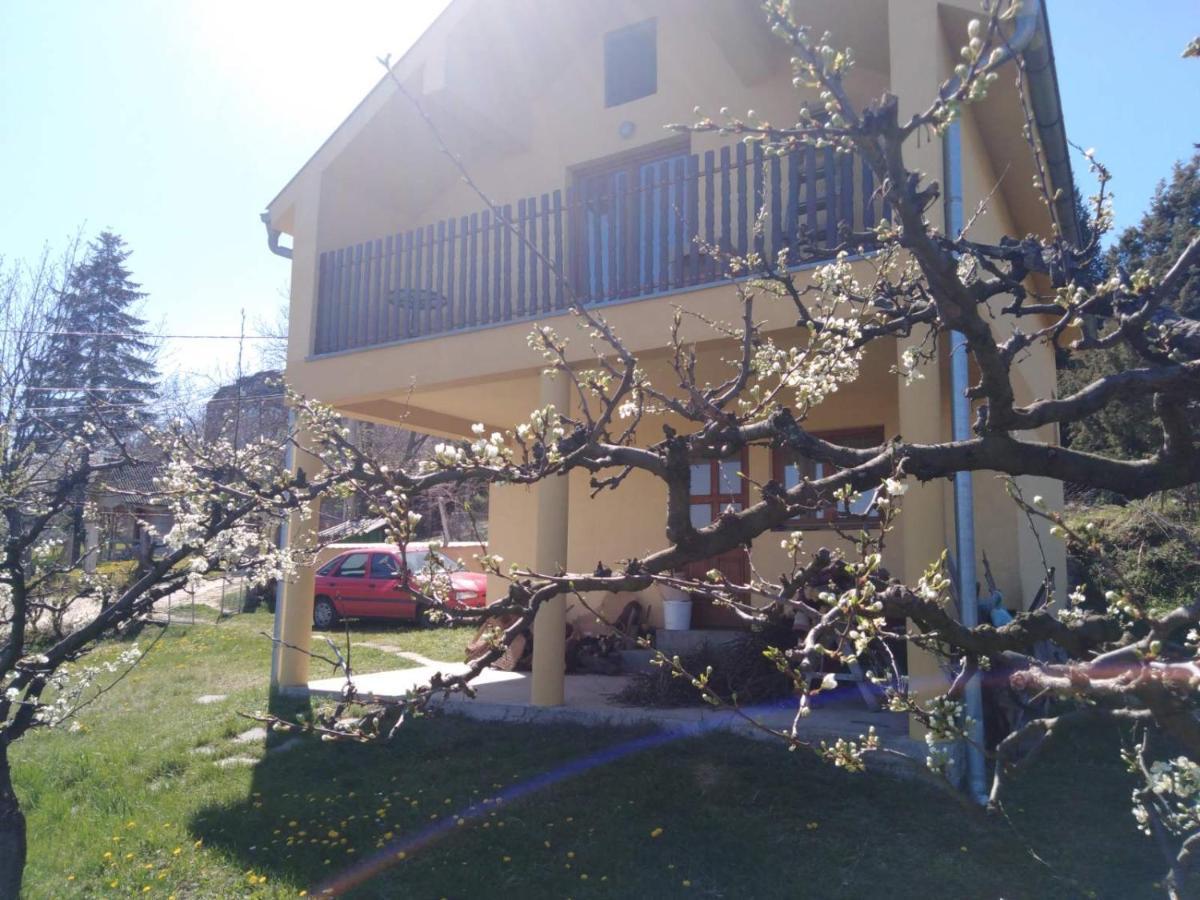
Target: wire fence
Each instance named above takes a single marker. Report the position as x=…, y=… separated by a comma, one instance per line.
x=228, y=594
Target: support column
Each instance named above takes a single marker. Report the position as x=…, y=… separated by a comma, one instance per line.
x=294, y=609
x=294, y=600
x=550, y=555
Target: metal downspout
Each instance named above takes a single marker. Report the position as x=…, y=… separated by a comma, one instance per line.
x=964, y=491
x=277, y=627
x=960, y=423
x=273, y=238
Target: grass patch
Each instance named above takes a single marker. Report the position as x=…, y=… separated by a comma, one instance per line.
x=159, y=792
x=1152, y=545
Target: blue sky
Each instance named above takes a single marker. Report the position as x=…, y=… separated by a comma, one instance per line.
x=175, y=122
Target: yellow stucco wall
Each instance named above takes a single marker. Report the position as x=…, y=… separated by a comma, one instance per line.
x=630, y=521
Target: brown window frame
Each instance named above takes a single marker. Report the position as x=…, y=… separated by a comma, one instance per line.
x=734, y=564
x=829, y=516
x=716, y=498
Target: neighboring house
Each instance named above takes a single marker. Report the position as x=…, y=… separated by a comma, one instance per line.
x=251, y=408
x=450, y=512
x=355, y=531
x=409, y=301
x=126, y=501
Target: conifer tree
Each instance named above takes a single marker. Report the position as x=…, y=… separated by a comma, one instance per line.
x=1129, y=429
x=99, y=365
x=101, y=352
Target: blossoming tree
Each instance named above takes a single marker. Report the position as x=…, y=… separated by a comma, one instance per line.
x=222, y=501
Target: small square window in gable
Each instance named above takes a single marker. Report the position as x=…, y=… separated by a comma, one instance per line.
x=631, y=63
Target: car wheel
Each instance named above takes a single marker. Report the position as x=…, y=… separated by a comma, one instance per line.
x=324, y=614
x=421, y=616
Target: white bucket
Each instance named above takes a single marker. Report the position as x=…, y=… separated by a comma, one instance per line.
x=677, y=615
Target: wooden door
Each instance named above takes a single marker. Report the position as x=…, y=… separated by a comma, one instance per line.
x=627, y=218
x=716, y=487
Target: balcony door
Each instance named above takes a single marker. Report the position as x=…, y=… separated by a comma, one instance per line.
x=631, y=222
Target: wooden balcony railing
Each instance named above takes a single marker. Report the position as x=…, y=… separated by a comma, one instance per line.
x=633, y=232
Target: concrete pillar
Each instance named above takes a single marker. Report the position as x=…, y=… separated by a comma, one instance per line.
x=550, y=555
x=293, y=608
x=919, y=60
x=923, y=514
x=294, y=611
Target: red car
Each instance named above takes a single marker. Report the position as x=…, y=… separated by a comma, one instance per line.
x=373, y=581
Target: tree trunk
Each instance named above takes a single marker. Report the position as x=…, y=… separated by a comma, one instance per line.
x=145, y=551
x=78, y=530
x=12, y=833
x=444, y=517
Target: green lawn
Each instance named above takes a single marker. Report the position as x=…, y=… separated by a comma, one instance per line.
x=157, y=793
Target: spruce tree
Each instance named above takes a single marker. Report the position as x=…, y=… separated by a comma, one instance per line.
x=100, y=361
x=101, y=356
x=1172, y=221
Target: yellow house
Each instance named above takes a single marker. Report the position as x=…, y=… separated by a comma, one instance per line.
x=411, y=305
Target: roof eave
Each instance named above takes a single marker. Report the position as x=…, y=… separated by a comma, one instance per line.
x=1046, y=103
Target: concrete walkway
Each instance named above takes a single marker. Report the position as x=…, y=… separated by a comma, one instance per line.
x=504, y=697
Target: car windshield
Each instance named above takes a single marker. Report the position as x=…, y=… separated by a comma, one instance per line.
x=419, y=559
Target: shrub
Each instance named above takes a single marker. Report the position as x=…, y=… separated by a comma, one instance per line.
x=738, y=667
x=1150, y=547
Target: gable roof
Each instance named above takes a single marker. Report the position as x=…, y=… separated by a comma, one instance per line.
x=412, y=64
x=404, y=67
x=131, y=478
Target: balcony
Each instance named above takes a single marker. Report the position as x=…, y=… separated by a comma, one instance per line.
x=635, y=230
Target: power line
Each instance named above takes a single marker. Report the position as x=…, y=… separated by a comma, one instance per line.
x=114, y=390
x=143, y=336
x=161, y=402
